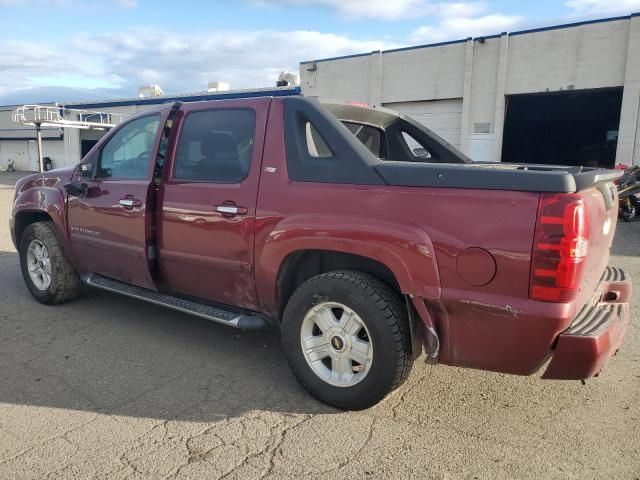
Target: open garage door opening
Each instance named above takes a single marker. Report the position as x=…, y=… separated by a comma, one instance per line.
x=564, y=128
x=88, y=138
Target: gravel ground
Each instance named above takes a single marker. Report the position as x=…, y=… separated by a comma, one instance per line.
x=108, y=387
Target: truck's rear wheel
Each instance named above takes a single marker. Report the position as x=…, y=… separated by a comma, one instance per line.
x=345, y=336
x=48, y=274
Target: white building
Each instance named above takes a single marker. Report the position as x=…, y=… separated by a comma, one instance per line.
x=563, y=94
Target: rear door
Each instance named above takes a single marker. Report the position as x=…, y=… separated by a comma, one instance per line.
x=110, y=226
x=208, y=201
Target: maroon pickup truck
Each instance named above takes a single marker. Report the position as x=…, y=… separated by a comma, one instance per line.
x=361, y=235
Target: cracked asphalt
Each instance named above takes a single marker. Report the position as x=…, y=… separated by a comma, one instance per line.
x=108, y=387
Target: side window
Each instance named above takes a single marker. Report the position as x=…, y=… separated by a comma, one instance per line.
x=417, y=149
x=216, y=146
x=127, y=153
x=316, y=145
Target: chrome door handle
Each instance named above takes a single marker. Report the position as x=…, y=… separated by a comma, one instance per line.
x=130, y=202
x=230, y=210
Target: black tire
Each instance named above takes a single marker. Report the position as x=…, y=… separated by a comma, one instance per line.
x=385, y=318
x=65, y=284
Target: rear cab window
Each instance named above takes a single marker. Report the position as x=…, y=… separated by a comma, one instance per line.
x=375, y=139
x=371, y=137
x=417, y=149
x=391, y=136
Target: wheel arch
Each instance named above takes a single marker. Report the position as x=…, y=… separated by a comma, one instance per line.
x=25, y=218
x=301, y=265
x=41, y=204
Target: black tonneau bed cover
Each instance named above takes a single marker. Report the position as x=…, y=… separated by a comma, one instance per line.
x=495, y=176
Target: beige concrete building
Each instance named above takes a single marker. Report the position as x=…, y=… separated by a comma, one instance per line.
x=564, y=94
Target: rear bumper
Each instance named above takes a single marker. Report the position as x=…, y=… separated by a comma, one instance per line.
x=596, y=333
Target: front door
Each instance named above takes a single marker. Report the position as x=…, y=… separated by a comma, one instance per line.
x=208, y=202
x=110, y=225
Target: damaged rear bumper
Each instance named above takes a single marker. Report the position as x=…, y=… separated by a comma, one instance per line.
x=596, y=333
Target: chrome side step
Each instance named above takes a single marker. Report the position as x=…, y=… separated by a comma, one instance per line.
x=237, y=320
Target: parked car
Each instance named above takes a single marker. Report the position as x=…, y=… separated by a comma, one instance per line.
x=320, y=220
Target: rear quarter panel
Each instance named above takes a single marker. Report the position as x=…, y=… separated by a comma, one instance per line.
x=419, y=233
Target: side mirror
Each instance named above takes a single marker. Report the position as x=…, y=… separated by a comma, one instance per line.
x=85, y=170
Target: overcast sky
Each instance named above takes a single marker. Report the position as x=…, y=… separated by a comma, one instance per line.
x=61, y=50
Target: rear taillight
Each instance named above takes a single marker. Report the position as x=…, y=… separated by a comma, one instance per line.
x=560, y=247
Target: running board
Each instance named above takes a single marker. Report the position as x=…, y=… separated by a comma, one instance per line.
x=218, y=315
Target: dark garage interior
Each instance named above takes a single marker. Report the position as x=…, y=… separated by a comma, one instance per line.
x=86, y=146
x=563, y=128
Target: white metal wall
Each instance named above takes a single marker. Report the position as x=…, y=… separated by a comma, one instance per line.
x=19, y=152
x=24, y=154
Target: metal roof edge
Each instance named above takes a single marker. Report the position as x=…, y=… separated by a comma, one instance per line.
x=486, y=37
x=343, y=57
x=428, y=45
x=187, y=97
x=571, y=25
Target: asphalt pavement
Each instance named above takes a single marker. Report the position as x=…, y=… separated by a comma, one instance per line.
x=109, y=387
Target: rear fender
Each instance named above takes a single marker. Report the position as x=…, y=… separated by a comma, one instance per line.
x=402, y=247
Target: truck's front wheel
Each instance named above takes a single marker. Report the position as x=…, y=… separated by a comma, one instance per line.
x=48, y=274
x=345, y=336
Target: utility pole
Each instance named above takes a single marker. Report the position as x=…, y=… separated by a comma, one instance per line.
x=39, y=142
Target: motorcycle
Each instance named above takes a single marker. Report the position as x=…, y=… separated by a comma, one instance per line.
x=628, y=190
